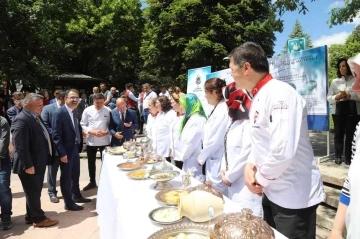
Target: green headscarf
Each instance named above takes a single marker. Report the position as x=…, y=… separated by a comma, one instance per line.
x=192, y=105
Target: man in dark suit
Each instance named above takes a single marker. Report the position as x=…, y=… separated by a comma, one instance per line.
x=67, y=136
x=47, y=115
x=56, y=95
x=33, y=150
x=14, y=110
x=122, y=120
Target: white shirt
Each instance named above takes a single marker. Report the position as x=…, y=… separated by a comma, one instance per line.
x=151, y=129
x=70, y=111
x=163, y=122
x=147, y=98
x=175, y=138
x=164, y=94
x=96, y=119
x=340, y=84
x=281, y=148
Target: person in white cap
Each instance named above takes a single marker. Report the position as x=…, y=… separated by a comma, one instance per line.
x=349, y=208
x=281, y=164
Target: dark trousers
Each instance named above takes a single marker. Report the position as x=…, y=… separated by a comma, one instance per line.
x=91, y=154
x=51, y=177
x=5, y=190
x=69, y=179
x=292, y=223
x=179, y=164
x=32, y=185
x=344, y=126
x=145, y=115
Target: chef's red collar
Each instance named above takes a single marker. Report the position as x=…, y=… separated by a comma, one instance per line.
x=260, y=84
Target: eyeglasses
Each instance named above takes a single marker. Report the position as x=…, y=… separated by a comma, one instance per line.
x=73, y=98
x=56, y=93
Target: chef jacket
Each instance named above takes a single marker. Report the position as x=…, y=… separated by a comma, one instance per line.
x=281, y=148
x=163, y=122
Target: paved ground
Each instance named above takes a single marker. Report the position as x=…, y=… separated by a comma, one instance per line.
x=83, y=224
x=79, y=225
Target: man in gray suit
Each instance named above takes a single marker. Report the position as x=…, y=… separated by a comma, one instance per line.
x=46, y=115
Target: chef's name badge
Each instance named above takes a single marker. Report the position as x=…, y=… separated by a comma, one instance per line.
x=280, y=106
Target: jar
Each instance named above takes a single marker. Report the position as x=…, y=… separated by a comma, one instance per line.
x=208, y=187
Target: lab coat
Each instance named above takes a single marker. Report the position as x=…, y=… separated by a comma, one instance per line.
x=162, y=139
x=238, y=149
x=151, y=130
x=190, y=144
x=281, y=148
x=175, y=138
x=213, y=145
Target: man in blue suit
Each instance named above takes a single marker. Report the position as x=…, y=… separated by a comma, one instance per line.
x=122, y=120
x=67, y=136
x=47, y=115
x=56, y=95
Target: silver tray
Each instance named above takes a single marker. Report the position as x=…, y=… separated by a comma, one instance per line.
x=160, y=195
x=187, y=229
x=130, y=169
x=163, y=223
x=174, y=174
x=114, y=153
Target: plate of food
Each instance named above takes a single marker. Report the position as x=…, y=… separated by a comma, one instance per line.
x=165, y=215
x=148, y=160
x=163, y=176
x=130, y=166
x=183, y=231
x=116, y=150
x=170, y=197
x=138, y=174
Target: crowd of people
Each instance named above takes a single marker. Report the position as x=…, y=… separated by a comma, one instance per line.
x=254, y=146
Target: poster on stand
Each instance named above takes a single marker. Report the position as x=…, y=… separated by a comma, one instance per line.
x=306, y=71
x=195, y=84
x=223, y=74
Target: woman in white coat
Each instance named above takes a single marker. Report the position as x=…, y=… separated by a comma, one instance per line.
x=237, y=149
x=191, y=131
x=163, y=121
x=151, y=122
x=214, y=132
x=175, y=145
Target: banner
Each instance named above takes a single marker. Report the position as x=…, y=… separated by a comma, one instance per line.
x=195, y=84
x=306, y=71
x=223, y=74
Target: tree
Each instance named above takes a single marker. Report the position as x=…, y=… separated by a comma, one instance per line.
x=298, y=32
x=184, y=34
x=339, y=15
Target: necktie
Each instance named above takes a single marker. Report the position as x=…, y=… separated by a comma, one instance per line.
x=122, y=117
x=47, y=136
x=76, y=127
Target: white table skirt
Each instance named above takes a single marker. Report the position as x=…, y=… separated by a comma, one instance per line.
x=123, y=204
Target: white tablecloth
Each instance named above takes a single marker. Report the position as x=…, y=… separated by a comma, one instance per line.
x=123, y=204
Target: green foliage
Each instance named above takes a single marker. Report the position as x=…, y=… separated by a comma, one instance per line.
x=184, y=34
x=298, y=32
x=346, y=50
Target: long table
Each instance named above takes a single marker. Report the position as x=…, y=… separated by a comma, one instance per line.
x=123, y=204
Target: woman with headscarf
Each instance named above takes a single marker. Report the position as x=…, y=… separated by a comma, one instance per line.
x=345, y=110
x=175, y=128
x=237, y=148
x=191, y=131
x=214, y=132
x=348, y=211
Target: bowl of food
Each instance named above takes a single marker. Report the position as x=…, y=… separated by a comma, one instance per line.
x=170, y=197
x=116, y=150
x=162, y=178
x=130, y=166
x=138, y=174
x=165, y=215
x=182, y=231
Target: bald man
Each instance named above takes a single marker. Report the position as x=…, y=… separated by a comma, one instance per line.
x=122, y=123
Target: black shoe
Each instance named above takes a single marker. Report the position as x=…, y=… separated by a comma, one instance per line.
x=6, y=222
x=54, y=199
x=347, y=162
x=74, y=208
x=338, y=160
x=89, y=186
x=82, y=200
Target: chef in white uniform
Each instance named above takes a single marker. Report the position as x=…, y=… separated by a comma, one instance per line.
x=163, y=121
x=151, y=123
x=191, y=131
x=214, y=131
x=237, y=149
x=175, y=145
x=281, y=164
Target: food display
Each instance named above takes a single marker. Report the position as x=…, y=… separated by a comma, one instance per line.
x=165, y=215
x=183, y=231
x=130, y=165
x=242, y=225
x=116, y=150
x=138, y=174
x=130, y=154
x=170, y=196
x=162, y=176
x=207, y=187
x=148, y=160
